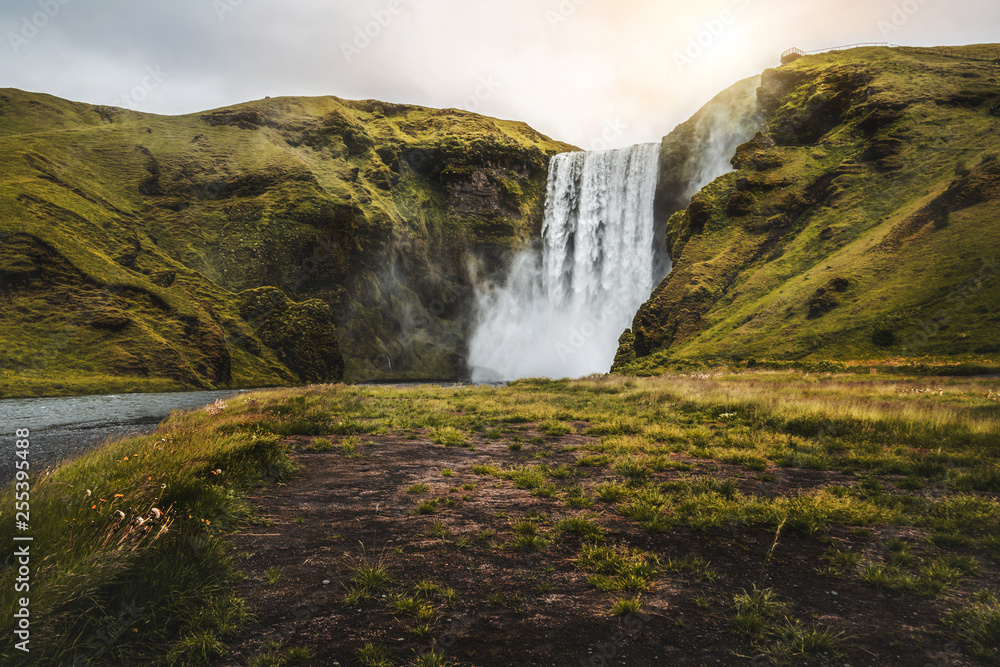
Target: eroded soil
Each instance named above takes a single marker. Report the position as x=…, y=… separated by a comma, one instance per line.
x=513, y=607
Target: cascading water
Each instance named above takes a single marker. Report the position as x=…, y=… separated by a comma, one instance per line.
x=560, y=315
x=561, y=312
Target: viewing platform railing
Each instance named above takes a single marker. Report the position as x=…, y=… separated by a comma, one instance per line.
x=796, y=53
x=859, y=45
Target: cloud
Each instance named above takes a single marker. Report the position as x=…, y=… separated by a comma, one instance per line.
x=567, y=67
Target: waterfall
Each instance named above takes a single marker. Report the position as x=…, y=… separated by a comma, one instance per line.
x=560, y=314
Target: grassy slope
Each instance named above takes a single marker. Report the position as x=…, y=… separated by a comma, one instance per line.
x=884, y=175
x=844, y=463
x=358, y=204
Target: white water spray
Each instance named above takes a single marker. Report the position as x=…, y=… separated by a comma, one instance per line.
x=560, y=315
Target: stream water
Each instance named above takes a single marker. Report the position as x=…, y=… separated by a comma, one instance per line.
x=561, y=312
x=63, y=426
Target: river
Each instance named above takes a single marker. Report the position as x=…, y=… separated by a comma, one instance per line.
x=63, y=426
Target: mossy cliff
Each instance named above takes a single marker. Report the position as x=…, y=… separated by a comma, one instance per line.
x=135, y=249
x=860, y=224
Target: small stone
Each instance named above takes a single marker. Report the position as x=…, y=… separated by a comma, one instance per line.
x=326, y=581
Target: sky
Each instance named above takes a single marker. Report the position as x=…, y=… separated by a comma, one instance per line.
x=594, y=73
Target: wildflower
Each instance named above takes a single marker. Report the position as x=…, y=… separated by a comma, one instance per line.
x=88, y=493
x=119, y=495
x=156, y=513
x=120, y=514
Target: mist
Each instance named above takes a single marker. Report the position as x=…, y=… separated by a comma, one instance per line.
x=562, y=309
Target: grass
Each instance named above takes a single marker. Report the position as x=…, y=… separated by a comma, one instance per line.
x=369, y=575
x=199, y=468
x=414, y=607
x=529, y=541
x=767, y=317
x=617, y=567
x=554, y=428
x=978, y=625
x=884, y=435
x=174, y=338
x=449, y=437
x=319, y=445
x=188, y=486
x=373, y=655
x=431, y=658
x=626, y=607
x=579, y=526
x=803, y=641
x=694, y=566
x=429, y=506
x=762, y=617
x=273, y=657
x=438, y=530
x=922, y=577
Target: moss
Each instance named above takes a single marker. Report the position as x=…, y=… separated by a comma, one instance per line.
x=129, y=240
x=856, y=227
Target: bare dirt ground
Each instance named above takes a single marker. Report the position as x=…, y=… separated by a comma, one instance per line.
x=536, y=608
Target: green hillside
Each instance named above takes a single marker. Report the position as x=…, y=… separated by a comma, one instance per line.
x=133, y=247
x=861, y=225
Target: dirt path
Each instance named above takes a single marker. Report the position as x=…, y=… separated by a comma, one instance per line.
x=533, y=608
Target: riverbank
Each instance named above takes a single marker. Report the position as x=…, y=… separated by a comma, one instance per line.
x=690, y=518
x=65, y=426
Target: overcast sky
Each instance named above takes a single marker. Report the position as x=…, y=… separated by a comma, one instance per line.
x=582, y=71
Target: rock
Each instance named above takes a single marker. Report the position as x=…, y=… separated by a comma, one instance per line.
x=111, y=319
x=740, y=203
x=756, y=154
x=302, y=334
x=163, y=278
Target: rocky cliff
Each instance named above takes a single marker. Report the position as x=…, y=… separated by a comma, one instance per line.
x=281, y=241
x=860, y=224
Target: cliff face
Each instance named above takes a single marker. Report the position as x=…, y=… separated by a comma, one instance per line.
x=698, y=150
x=135, y=248
x=860, y=224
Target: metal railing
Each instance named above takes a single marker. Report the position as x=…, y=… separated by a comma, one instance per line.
x=798, y=53
x=859, y=45
x=947, y=53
